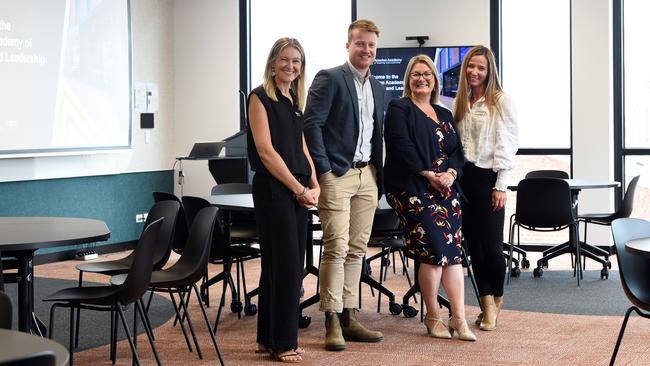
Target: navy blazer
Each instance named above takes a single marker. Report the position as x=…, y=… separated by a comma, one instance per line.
x=331, y=121
x=411, y=147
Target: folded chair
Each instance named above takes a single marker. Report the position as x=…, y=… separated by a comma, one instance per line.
x=115, y=298
x=634, y=271
x=181, y=278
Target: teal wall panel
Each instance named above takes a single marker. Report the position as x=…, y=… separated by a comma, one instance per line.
x=115, y=199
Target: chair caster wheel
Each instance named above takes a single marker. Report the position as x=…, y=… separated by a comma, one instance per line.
x=395, y=308
x=515, y=272
x=525, y=263
x=236, y=306
x=409, y=311
x=250, y=309
x=204, y=297
x=302, y=291
x=304, y=321
x=538, y=272
x=604, y=274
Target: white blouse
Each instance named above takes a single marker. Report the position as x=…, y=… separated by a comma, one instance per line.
x=491, y=143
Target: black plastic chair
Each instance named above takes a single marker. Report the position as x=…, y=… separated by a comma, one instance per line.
x=239, y=231
x=386, y=234
x=521, y=254
x=606, y=219
x=634, y=270
x=5, y=311
x=166, y=209
x=544, y=204
x=181, y=230
x=114, y=298
x=181, y=278
x=43, y=358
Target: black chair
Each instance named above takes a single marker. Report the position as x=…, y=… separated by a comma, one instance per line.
x=181, y=278
x=180, y=232
x=386, y=234
x=521, y=254
x=544, y=204
x=225, y=253
x=166, y=209
x=634, y=270
x=43, y=358
x=606, y=219
x=114, y=298
x=5, y=311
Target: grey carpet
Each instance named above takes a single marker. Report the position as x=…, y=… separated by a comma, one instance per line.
x=95, y=325
x=558, y=292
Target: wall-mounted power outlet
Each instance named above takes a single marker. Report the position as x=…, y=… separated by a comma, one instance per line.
x=140, y=218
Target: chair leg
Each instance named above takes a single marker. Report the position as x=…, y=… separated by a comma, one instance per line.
x=76, y=341
x=72, y=328
x=620, y=334
x=189, y=323
x=139, y=307
x=113, y=341
x=180, y=321
x=207, y=323
x=136, y=358
x=222, y=301
x=145, y=317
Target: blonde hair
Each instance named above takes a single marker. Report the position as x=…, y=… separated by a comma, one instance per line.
x=363, y=24
x=492, y=85
x=422, y=59
x=298, y=84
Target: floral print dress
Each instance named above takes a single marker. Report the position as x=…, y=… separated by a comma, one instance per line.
x=432, y=220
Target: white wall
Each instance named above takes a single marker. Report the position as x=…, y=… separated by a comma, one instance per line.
x=206, y=79
x=447, y=23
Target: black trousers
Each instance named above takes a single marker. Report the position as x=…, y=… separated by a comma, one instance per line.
x=483, y=229
x=282, y=230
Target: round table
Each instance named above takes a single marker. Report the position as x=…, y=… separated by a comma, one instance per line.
x=15, y=344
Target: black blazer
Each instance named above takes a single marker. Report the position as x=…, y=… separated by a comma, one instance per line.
x=331, y=124
x=411, y=146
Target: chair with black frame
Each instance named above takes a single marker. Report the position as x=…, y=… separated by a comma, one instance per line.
x=180, y=232
x=165, y=209
x=606, y=219
x=181, y=278
x=634, y=270
x=222, y=253
x=115, y=298
x=241, y=229
x=521, y=254
x=5, y=311
x=545, y=204
x=386, y=234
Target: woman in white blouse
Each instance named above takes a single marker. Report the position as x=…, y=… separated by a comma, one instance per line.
x=488, y=129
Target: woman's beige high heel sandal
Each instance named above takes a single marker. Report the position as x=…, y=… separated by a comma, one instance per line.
x=436, y=328
x=459, y=326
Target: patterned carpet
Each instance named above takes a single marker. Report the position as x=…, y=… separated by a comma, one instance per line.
x=522, y=337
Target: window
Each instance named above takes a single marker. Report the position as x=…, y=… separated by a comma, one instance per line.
x=320, y=27
x=633, y=116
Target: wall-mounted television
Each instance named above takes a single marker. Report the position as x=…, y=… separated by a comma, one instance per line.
x=390, y=66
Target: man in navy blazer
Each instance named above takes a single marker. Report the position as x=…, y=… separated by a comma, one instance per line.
x=343, y=128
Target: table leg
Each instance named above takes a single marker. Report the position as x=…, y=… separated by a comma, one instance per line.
x=25, y=291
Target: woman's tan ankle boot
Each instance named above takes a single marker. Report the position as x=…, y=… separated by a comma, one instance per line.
x=489, y=321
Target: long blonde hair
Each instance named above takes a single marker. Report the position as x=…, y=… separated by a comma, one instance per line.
x=424, y=59
x=493, y=90
x=298, y=84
